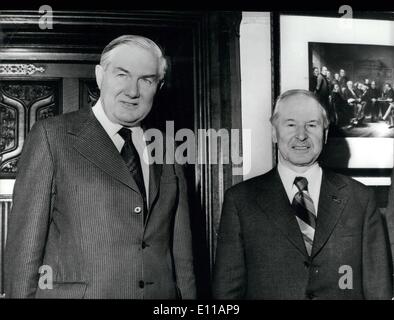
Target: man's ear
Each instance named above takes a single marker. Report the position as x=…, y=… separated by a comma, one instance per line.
x=325, y=135
x=99, y=71
x=273, y=133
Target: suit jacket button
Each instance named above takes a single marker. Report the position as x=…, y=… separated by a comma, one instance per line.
x=141, y=284
x=137, y=210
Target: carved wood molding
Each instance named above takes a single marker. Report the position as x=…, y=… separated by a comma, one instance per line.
x=19, y=69
x=22, y=103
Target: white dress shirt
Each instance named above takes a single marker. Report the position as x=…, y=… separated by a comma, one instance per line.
x=137, y=137
x=314, y=176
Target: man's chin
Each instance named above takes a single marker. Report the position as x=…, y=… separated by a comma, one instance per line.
x=302, y=161
x=127, y=122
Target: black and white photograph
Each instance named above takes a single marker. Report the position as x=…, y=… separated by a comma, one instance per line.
x=196, y=158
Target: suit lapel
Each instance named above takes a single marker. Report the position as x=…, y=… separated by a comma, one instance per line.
x=95, y=145
x=332, y=202
x=154, y=181
x=275, y=204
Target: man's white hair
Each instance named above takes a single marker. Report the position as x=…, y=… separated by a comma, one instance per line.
x=140, y=41
x=298, y=92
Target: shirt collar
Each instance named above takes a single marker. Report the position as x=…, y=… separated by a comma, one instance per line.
x=313, y=175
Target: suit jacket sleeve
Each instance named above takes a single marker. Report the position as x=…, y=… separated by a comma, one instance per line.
x=229, y=278
x=29, y=217
x=182, y=245
x=389, y=215
x=377, y=264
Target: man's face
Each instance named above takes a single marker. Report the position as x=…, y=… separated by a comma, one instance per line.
x=324, y=70
x=373, y=85
x=336, y=76
x=341, y=73
x=316, y=72
x=128, y=84
x=299, y=132
x=350, y=85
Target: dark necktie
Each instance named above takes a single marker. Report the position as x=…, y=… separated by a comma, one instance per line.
x=305, y=212
x=130, y=156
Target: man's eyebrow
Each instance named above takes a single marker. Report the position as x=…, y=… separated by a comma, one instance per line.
x=128, y=72
x=150, y=76
x=308, y=121
x=122, y=69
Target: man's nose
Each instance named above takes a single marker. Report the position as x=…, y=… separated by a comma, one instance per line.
x=301, y=133
x=132, y=88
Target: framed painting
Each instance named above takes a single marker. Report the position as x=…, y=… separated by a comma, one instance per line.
x=353, y=56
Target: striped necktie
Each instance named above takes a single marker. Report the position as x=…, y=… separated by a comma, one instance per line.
x=305, y=212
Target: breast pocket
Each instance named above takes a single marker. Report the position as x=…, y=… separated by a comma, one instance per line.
x=349, y=232
x=349, y=228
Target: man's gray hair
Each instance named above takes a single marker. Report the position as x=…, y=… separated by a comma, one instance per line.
x=140, y=41
x=298, y=92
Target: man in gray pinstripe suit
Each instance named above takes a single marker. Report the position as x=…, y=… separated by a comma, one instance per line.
x=80, y=213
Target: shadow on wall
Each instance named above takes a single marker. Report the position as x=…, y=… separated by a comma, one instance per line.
x=336, y=156
x=336, y=153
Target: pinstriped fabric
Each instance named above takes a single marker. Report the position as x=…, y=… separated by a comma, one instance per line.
x=75, y=210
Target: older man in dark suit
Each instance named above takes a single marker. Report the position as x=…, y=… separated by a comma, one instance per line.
x=88, y=207
x=298, y=231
